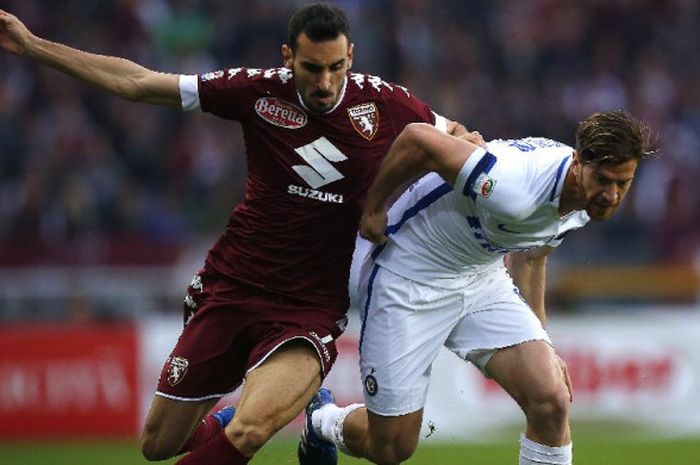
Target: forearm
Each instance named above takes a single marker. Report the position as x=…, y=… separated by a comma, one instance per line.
x=117, y=76
x=529, y=275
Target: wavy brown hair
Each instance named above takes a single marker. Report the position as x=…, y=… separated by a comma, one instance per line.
x=613, y=137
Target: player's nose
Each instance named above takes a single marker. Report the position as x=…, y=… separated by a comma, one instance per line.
x=324, y=81
x=611, y=194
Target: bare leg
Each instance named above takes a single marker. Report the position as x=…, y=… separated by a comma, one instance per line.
x=274, y=394
x=169, y=424
x=380, y=439
x=530, y=372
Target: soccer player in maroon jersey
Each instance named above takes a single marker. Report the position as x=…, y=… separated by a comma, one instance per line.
x=272, y=295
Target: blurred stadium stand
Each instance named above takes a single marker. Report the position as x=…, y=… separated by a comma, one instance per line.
x=107, y=207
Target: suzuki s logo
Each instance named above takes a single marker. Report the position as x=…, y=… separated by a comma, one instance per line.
x=319, y=155
x=280, y=113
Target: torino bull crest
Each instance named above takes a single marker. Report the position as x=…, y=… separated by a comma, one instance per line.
x=365, y=119
x=177, y=369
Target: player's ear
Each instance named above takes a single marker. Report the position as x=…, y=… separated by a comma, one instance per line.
x=351, y=49
x=576, y=162
x=287, y=56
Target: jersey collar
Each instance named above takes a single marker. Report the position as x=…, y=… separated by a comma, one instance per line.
x=559, y=179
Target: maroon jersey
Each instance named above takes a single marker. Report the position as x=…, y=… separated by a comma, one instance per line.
x=308, y=173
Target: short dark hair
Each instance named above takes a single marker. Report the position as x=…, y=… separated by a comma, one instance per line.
x=320, y=22
x=613, y=137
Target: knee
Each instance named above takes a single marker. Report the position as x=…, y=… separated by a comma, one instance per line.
x=249, y=435
x=548, y=405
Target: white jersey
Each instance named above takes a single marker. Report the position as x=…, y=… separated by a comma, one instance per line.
x=505, y=199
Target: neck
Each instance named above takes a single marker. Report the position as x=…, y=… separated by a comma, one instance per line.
x=569, y=199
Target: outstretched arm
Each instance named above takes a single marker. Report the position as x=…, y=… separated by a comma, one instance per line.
x=419, y=149
x=115, y=75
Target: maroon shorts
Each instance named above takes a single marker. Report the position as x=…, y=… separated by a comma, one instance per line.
x=231, y=328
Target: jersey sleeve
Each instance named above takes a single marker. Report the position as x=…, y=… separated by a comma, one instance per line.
x=501, y=186
x=576, y=221
x=222, y=93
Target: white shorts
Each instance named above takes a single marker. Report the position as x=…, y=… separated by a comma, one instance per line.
x=405, y=323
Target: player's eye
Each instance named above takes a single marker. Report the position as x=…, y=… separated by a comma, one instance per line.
x=624, y=184
x=312, y=68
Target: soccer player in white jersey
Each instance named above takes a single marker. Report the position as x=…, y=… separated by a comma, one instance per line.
x=437, y=275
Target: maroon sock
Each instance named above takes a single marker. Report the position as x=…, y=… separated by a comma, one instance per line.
x=217, y=451
x=207, y=429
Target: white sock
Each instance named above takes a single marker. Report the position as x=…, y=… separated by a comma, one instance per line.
x=323, y=418
x=532, y=453
x=328, y=423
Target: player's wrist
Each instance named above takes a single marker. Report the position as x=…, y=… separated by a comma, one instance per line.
x=32, y=46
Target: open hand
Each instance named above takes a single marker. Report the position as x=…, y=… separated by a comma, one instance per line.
x=475, y=138
x=567, y=377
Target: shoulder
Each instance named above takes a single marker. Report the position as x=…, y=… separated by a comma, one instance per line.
x=229, y=92
x=271, y=77
x=536, y=146
x=374, y=87
x=531, y=157
x=521, y=176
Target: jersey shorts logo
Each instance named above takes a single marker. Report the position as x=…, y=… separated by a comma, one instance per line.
x=371, y=385
x=177, y=369
x=365, y=119
x=280, y=113
x=484, y=185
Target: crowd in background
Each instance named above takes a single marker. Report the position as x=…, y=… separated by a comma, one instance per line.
x=80, y=169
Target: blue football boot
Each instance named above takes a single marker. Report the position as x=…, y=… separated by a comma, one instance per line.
x=312, y=449
x=225, y=415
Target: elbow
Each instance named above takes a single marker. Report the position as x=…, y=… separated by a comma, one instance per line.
x=415, y=139
x=128, y=89
x=414, y=133
x=531, y=258
x=134, y=87
x=134, y=91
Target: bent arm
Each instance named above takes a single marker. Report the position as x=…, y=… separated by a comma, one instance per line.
x=528, y=270
x=419, y=149
x=118, y=76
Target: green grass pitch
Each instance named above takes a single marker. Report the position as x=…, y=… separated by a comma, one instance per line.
x=679, y=452
x=590, y=448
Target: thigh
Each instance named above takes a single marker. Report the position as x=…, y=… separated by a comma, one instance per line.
x=234, y=329
x=209, y=359
x=495, y=317
x=527, y=371
x=278, y=389
x=404, y=326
